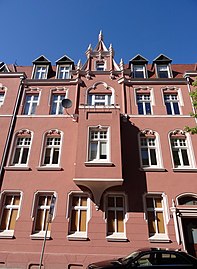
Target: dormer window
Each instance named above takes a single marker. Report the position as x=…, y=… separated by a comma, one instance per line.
x=163, y=71
x=64, y=71
x=100, y=66
x=42, y=66
x=163, y=66
x=139, y=71
x=40, y=72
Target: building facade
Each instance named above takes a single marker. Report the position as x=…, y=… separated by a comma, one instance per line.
x=106, y=142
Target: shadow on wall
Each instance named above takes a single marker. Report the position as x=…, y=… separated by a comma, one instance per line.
x=134, y=180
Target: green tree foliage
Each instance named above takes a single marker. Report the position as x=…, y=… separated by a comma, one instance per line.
x=193, y=94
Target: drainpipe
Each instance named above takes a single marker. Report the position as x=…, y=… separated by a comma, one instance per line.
x=10, y=130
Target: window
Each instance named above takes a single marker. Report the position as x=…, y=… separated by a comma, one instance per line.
x=155, y=215
x=139, y=71
x=79, y=215
x=99, y=99
x=150, y=157
x=2, y=95
x=52, y=148
x=163, y=71
x=56, y=104
x=115, y=216
x=64, y=71
x=172, y=104
x=40, y=72
x=22, y=148
x=31, y=102
x=100, y=66
x=9, y=213
x=41, y=214
x=180, y=152
x=144, y=104
x=98, y=144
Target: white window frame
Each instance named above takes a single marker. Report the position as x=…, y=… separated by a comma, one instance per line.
x=156, y=147
x=179, y=149
x=158, y=237
x=41, y=234
x=42, y=72
x=144, y=101
x=78, y=235
x=2, y=97
x=31, y=102
x=7, y=233
x=142, y=69
x=52, y=147
x=66, y=72
x=57, y=103
x=98, y=141
x=116, y=236
x=166, y=68
x=106, y=101
x=22, y=146
x=171, y=101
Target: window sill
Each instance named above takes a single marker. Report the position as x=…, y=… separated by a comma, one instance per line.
x=99, y=164
x=116, y=238
x=7, y=234
x=192, y=170
x=19, y=168
x=49, y=168
x=77, y=237
x=40, y=235
x=159, y=239
x=151, y=169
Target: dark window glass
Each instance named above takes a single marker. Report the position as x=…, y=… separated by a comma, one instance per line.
x=185, y=157
x=153, y=157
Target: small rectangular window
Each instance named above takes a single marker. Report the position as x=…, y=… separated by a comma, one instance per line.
x=99, y=99
x=144, y=104
x=52, y=151
x=56, y=104
x=2, y=96
x=100, y=66
x=64, y=71
x=172, y=104
x=149, y=152
x=163, y=71
x=21, y=151
x=180, y=152
x=139, y=71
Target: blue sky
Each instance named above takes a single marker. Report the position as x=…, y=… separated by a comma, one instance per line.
x=30, y=28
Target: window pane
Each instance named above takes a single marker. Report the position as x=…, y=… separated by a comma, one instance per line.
x=144, y=153
x=140, y=108
x=83, y=201
x=111, y=221
x=47, y=156
x=55, y=156
x=74, y=220
x=168, y=108
x=176, y=158
x=160, y=222
x=13, y=219
x=149, y=203
x=148, y=108
x=158, y=203
x=153, y=157
x=39, y=220
x=75, y=200
x=185, y=157
x=16, y=200
x=16, y=156
x=93, y=150
x=176, y=108
x=4, y=219
x=151, y=222
x=103, y=150
x=41, y=200
x=45, y=219
x=24, y=156
x=26, y=109
x=82, y=227
x=120, y=223
x=119, y=201
x=111, y=202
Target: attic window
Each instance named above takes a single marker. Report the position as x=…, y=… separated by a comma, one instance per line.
x=163, y=71
x=40, y=72
x=64, y=71
x=139, y=71
x=100, y=66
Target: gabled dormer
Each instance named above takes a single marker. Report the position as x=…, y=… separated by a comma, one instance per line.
x=100, y=59
x=3, y=67
x=41, y=67
x=138, y=66
x=163, y=66
x=64, y=67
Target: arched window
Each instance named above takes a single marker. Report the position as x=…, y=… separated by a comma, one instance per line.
x=187, y=199
x=52, y=148
x=100, y=94
x=21, y=148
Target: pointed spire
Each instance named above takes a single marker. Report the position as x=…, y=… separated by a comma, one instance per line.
x=100, y=36
x=79, y=65
x=121, y=64
x=89, y=47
